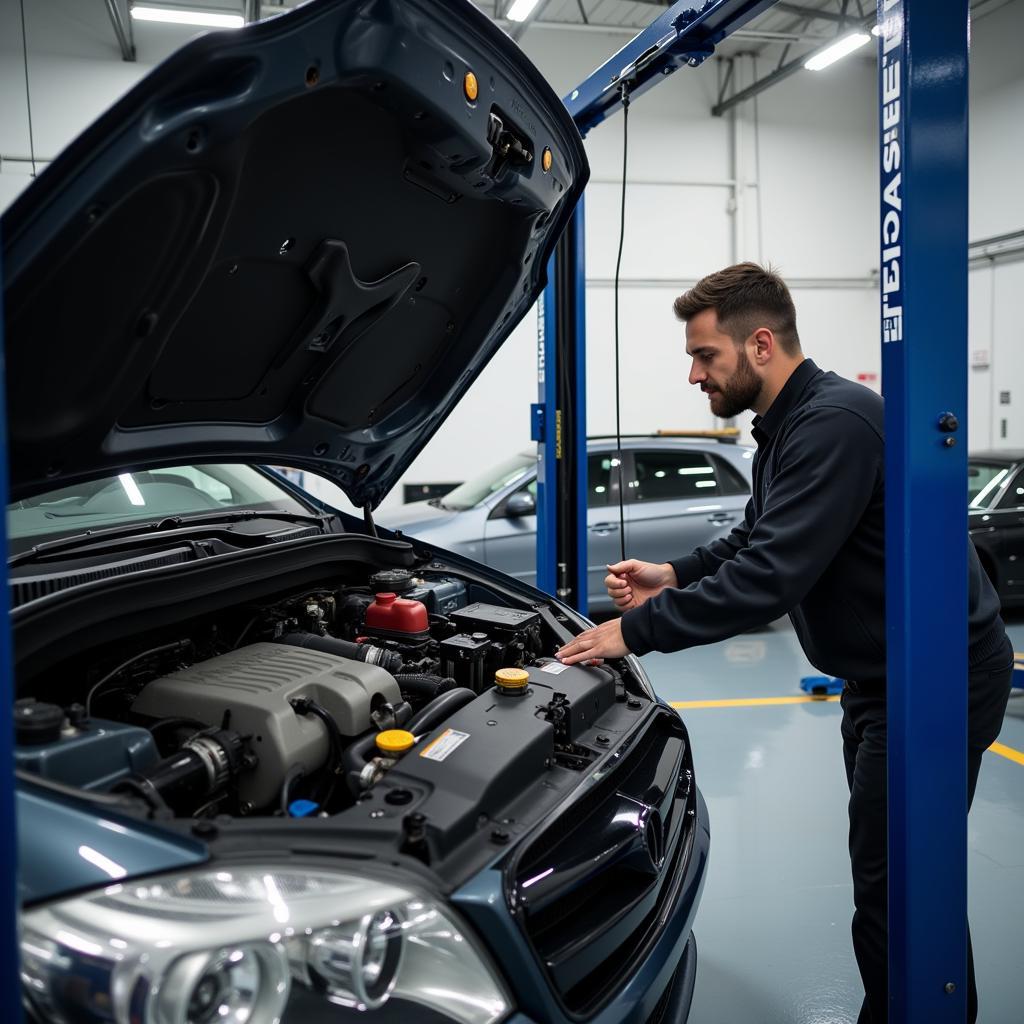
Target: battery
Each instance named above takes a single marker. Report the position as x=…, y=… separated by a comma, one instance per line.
x=441, y=596
x=464, y=658
x=492, y=618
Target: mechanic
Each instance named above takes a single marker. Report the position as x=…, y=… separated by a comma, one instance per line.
x=811, y=545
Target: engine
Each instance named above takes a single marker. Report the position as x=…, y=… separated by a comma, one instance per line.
x=303, y=706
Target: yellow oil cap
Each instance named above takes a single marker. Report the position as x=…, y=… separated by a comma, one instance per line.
x=395, y=741
x=511, y=680
x=470, y=87
x=547, y=160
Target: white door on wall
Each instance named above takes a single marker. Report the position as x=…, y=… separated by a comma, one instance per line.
x=1008, y=365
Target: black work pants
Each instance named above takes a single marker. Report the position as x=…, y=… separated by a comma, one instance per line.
x=864, y=749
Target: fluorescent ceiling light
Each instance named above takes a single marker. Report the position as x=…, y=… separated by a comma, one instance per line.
x=186, y=16
x=521, y=10
x=839, y=49
x=876, y=30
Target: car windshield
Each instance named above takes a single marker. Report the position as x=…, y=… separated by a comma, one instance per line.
x=983, y=482
x=472, y=492
x=145, y=496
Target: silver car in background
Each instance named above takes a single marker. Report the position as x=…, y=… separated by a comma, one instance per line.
x=680, y=492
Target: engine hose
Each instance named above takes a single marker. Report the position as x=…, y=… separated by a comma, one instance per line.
x=439, y=709
x=357, y=753
x=306, y=706
x=354, y=758
x=424, y=686
x=294, y=774
x=390, y=661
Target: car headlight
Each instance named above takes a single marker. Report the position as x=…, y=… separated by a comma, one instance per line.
x=233, y=946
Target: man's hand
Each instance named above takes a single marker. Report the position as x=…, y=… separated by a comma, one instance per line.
x=604, y=641
x=631, y=583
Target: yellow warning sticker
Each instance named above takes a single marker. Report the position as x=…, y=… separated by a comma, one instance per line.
x=448, y=741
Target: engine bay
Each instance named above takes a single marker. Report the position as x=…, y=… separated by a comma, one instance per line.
x=395, y=701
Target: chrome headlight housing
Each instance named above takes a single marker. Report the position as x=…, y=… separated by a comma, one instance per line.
x=227, y=945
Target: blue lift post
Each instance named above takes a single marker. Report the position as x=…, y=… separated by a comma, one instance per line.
x=9, y=848
x=923, y=70
x=560, y=420
x=680, y=37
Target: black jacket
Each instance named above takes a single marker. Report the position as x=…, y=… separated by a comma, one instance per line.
x=812, y=542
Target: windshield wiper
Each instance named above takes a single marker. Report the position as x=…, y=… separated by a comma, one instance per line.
x=141, y=531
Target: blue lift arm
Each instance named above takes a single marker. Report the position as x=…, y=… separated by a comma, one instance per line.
x=681, y=37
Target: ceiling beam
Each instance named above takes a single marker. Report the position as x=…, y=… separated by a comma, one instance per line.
x=782, y=72
x=812, y=12
x=122, y=27
x=519, y=27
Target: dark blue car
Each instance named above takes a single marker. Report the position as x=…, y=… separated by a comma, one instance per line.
x=275, y=764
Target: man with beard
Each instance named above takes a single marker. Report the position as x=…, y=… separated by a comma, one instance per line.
x=812, y=545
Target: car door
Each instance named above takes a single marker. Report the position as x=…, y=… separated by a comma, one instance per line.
x=510, y=541
x=678, y=499
x=1007, y=518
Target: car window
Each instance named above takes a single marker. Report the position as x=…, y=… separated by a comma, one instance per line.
x=664, y=475
x=195, y=476
x=983, y=482
x=599, y=471
x=1013, y=496
x=600, y=467
x=498, y=477
x=144, y=496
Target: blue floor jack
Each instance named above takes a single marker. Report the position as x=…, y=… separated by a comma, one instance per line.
x=824, y=686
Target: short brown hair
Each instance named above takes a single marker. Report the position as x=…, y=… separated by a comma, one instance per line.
x=745, y=296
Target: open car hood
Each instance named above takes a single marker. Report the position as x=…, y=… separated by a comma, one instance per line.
x=294, y=243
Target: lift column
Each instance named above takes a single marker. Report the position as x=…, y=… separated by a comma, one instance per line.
x=680, y=37
x=923, y=126
x=10, y=982
x=560, y=423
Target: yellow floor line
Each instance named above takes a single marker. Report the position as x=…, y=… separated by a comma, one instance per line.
x=754, y=702
x=749, y=702
x=1008, y=752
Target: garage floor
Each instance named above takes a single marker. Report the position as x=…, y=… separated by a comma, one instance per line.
x=773, y=931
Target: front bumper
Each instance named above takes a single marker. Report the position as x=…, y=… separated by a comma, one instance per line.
x=670, y=962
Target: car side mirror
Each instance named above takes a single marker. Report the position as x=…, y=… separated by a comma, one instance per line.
x=520, y=504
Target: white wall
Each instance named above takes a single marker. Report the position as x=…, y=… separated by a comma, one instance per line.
x=811, y=159
x=996, y=289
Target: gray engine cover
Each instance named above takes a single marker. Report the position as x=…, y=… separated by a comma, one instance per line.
x=255, y=684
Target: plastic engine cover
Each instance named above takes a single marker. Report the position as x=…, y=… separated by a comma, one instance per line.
x=256, y=684
x=496, y=747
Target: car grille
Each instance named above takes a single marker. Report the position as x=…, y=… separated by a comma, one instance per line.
x=593, y=891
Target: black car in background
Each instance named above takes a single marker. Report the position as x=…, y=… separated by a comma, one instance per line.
x=995, y=495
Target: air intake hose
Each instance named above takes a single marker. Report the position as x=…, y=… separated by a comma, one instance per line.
x=388, y=660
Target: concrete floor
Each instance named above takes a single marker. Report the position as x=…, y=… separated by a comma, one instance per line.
x=773, y=930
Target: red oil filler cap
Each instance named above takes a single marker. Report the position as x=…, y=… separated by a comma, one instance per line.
x=391, y=614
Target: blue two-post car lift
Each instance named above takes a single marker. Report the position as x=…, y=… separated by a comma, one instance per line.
x=923, y=51
x=923, y=225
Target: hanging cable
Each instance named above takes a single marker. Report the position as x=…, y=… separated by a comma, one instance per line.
x=28, y=99
x=618, y=265
x=757, y=174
